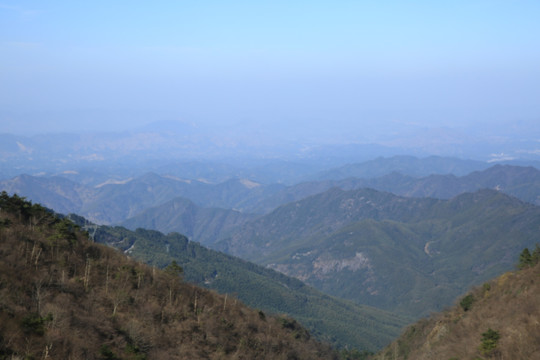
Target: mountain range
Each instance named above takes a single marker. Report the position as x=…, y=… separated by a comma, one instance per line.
x=116, y=200
x=406, y=165
x=402, y=254
x=404, y=244
x=333, y=232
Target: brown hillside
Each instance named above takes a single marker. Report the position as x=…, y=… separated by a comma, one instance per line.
x=499, y=320
x=63, y=297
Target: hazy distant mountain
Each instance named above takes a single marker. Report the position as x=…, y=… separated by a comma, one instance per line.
x=407, y=165
x=56, y=192
x=204, y=225
x=518, y=181
x=284, y=157
x=405, y=254
x=159, y=145
x=521, y=182
x=115, y=201
x=265, y=171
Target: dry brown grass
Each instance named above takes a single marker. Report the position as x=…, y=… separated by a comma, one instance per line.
x=509, y=305
x=63, y=297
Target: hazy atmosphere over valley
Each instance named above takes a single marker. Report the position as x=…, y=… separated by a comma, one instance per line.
x=344, y=169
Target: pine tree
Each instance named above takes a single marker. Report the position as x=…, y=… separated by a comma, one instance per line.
x=525, y=259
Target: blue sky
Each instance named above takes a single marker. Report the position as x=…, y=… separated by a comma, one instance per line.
x=349, y=66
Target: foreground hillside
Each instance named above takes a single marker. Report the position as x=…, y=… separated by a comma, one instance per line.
x=499, y=320
x=64, y=297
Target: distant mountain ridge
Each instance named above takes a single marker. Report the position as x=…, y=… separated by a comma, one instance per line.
x=117, y=200
x=406, y=165
x=398, y=253
x=151, y=147
x=519, y=181
x=205, y=225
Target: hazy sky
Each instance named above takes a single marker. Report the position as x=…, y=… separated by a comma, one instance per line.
x=347, y=65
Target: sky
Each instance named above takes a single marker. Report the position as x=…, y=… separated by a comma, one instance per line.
x=346, y=68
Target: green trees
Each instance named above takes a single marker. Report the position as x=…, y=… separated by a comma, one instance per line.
x=23, y=209
x=174, y=269
x=466, y=302
x=528, y=259
x=489, y=341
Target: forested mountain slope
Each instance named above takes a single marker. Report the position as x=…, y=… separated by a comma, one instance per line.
x=320, y=214
x=401, y=254
x=204, y=225
x=62, y=297
x=340, y=322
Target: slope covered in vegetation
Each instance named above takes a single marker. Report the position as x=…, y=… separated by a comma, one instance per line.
x=64, y=297
x=499, y=320
x=405, y=255
x=340, y=322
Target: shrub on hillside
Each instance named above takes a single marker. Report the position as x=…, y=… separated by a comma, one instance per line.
x=466, y=302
